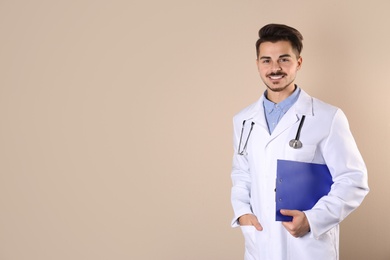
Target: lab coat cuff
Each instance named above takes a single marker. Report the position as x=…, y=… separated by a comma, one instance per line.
x=314, y=230
x=240, y=213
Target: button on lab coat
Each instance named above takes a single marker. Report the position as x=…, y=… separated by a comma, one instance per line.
x=326, y=139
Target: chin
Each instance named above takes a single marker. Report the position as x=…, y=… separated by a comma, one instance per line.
x=277, y=89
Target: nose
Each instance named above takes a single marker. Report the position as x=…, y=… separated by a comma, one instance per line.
x=276, y=67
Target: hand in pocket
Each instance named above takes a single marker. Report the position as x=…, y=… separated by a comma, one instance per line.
x=250, y=220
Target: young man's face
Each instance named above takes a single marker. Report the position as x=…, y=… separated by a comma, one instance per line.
x=278, y=65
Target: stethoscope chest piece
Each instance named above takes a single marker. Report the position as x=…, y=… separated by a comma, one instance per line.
x=296, y=143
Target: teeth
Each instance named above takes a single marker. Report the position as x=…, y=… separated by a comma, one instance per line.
x=276, y=77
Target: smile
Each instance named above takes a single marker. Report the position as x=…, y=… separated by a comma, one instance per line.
x=276, y=77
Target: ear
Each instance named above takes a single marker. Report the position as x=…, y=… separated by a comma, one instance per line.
x=299, y=62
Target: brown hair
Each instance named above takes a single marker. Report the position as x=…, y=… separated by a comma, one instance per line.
x=280, y=32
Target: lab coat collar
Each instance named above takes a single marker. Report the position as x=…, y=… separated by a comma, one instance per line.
x=303, y=106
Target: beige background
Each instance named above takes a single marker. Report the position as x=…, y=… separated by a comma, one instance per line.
x=116, y=121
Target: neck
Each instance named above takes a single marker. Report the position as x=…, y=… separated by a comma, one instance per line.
x=279, y=96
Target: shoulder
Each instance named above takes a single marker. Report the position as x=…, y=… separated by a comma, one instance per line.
x=321, y=112
x=249, y=111
x=327, y=113
x=320, y=107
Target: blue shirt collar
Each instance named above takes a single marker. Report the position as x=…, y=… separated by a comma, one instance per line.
x=285, y=105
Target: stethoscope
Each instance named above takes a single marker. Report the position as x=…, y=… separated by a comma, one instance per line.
x=294, y=143
x=243, y=151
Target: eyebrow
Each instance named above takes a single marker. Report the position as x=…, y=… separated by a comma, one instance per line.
x=281, y=56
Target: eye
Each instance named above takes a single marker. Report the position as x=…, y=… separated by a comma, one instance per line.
x=284, y=60
x=265, y=61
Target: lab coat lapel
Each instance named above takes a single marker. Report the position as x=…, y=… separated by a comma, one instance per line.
x=257, y=115
x=288, y=120
x=303, y=106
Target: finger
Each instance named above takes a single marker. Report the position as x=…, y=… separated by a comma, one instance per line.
x=287, y=212
x=255, y=222
x=290, y=227
x=257, y=225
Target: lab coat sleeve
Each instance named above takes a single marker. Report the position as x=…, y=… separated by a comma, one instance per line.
x=240, y=193
x=349, y=175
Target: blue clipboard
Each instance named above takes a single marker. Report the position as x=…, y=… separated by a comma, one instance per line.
x=299, y=185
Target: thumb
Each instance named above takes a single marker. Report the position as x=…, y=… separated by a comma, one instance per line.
x=287, y=212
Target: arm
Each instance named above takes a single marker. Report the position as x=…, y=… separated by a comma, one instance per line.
x=349, y=174
x=240, y=193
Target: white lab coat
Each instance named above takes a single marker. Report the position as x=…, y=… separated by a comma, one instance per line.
x=327, y=140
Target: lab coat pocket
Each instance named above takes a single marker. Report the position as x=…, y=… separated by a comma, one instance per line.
x=249, y=233
x=324, y=247
x=304, y=154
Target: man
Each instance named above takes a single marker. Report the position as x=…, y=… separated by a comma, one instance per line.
x=262, y=134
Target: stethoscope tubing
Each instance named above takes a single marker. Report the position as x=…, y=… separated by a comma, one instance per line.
x=246, y=142
x=300, y=127
x=294, y=143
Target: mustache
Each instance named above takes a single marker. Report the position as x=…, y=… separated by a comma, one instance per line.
x=276, y=74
